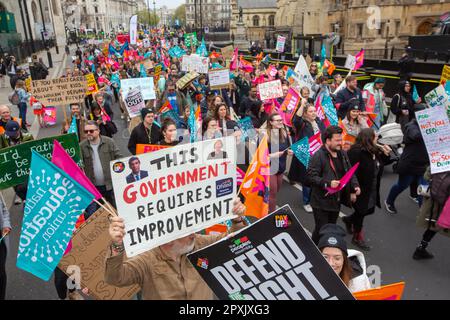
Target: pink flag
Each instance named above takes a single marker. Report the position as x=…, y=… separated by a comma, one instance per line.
x=62, y=160
x=344, y=180
x=289, y=106
x=240, y=174
x=320, y=113
x=315, y=142
x=234, y=60
x=359, y=60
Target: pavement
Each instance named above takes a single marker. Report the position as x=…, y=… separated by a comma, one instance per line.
x=393, y=239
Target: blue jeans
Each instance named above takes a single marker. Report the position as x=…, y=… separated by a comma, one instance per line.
x=306, y=195
x=23, y=114
x=403, y=183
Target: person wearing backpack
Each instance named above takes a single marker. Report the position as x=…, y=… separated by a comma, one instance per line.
x=402, y=104
x=24, y=97
x=434, y=201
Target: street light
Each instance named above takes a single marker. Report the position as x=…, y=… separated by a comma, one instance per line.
x=154, y=12
x=49, y=56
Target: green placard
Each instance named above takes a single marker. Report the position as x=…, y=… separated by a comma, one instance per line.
x=15, y=161
x=190, y=39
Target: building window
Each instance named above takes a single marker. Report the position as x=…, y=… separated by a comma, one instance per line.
x=256, y=21
x=397, y=28
x=55, y=8
x=359, y=30
x=96, y=9
x=381, y=30
x=271, y=20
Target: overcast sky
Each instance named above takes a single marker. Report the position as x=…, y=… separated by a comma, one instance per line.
x=171, y=4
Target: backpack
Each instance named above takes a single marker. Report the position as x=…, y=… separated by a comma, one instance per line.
x=14, y=98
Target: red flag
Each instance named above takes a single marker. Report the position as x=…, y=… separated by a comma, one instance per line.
x=165, y=107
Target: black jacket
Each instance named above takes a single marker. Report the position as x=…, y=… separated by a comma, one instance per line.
x=319, y=176
x=139, y=135
x=345, y=99
x=414, y=159
x=297, y=171
x=366, y=175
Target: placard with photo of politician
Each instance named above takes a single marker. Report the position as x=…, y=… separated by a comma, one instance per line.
x=136, y=172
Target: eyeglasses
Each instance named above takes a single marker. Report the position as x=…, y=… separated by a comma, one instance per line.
x=90, y=131
x=277, y=120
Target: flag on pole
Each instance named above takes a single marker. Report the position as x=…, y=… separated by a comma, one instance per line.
x=359, y=60
x=323, y=54
x=301, y=151
x=255, y=186
x=415, y=94
x=201, y=50
x=165, y=107
x=234, y=64
x=315, y=142
x=54, y=203
x=73, y=126
x=143, y=73
x=344, y=180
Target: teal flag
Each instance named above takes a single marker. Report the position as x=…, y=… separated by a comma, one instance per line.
x=247, y=128
x=301, y=151
x=415, y=94
x=73, y=127
x=201, y=50
x=143, y=72
x=323, y=54
x=53, y=205
x=192, y=123
x=330, y=110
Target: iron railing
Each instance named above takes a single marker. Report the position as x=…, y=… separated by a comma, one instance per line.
x=24, y=49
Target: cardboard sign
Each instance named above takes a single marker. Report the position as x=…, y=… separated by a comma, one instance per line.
x=272, y=259
x=90, y=244
x=146, y=43
x=15, y=161
x=195, y=63
x=445, y=74
x=280, y=43
x=57, y=92
x=134, y=102
x=148, y=64
x=438, y=97
x=270, y=90
x=146, y=84
x=219, y=79
x=435, y=128
x=158, y=69
x=227, y=52
x=91, y=84
x=186, y=80
x=177, y=191
x=147, y=148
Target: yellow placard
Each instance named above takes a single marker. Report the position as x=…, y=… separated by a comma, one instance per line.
x=91, y=84
x=445, y=75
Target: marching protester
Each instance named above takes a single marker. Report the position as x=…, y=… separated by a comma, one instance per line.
x=107, y=127
x=257, y=114
x=354, y=122
x=371, y=158
x=246, y=102
x=97, y=152
x=337, y=80
x=210, y=129
x=146, y=132
x=169, y=133
x=24, y=98
x=432, y=208
x=325, y=170
x=2, y=73
x=278, y=140
x=80, y=120
x=349, y=96
x=163, y=273
x=5, y=117
x=380, y=109
x=344, y=261
x=5, y=229
x=306, y=124
x=402, y=104
x=411, y=166
x=223, y=117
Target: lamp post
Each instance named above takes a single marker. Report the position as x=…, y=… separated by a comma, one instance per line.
x=49, y=56
x=148, y=9
x=154, y=12
x=50, y=8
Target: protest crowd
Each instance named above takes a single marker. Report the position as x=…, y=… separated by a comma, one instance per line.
x=238, y=127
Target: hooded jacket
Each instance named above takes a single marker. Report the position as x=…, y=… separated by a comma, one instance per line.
x=402, y=101
x=359, y=281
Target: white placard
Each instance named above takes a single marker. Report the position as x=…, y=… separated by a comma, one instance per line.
x=435, y=128
x=180, y=190
x=146, y=84
x=281, y=41
x=270, y=90
x=134, y=102
x=350, y=62
x=219, y=78
x=195, y=63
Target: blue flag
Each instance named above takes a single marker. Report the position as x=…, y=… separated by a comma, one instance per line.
x=447, y=87
x=301, y=151
x=415, y=94
x=192, y=123
x=330, y=110
x=247, y=128
x=73, y=126
x=54, y=203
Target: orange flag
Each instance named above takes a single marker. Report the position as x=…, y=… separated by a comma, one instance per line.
x=390, y=292
x=255, y=186
x=347, y=139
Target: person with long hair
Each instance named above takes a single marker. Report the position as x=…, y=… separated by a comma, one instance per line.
x=371, y=158
x=278, y=140
x=210, y=129
x=224, y=121
x=23, y=102
x=306, y=124
x=169, y=133
x=257, y=114
x=402, y=104
x=353, y=123
x=344, y=261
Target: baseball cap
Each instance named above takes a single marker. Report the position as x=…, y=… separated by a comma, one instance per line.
x=11, y=128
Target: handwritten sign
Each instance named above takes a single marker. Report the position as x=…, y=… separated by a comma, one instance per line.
x=227, y=52
x=219, y=78
x=146, y=84
x=195, y=63
x=188, y=78
x=134, y=102
x=435, y=128
x=91, y=84
x=57, y=92
x=270, y=90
